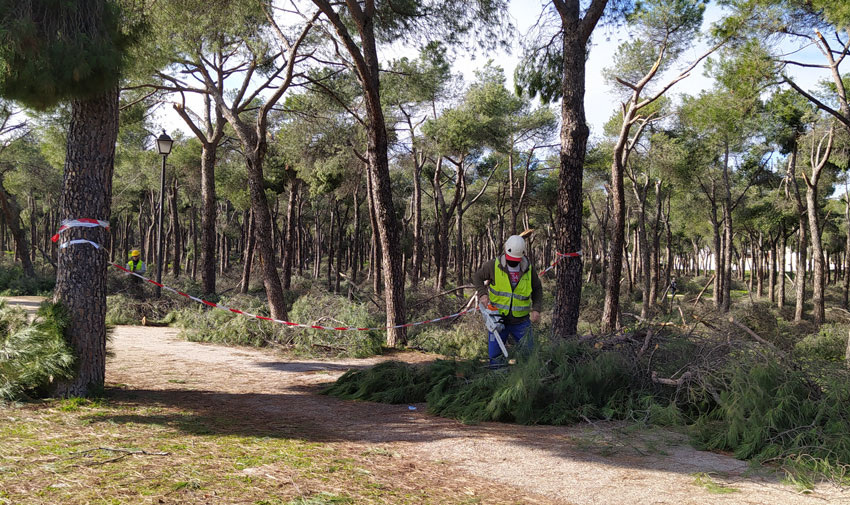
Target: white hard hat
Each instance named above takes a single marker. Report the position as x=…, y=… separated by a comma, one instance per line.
x=514, y=248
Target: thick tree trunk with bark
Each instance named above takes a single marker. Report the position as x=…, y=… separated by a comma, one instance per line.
x=847, y=250
x=81, y=273
x=727, y=235
x=802, y=241
x=289, y=236
x=783, y=244
x=177, y=232
x=208, y=208
x=367, y=66
x=818, y=311
x=263, y=231
x=574, y=133
x=655, y=252
x=818, y=161
x=249, y=255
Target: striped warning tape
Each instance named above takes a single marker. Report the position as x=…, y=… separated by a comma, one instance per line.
x=89, y=223
x=560, y=256
x=279, y=321
x=79, y=223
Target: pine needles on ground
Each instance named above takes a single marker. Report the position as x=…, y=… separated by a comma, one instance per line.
x=33, y=356
x=738, y=395
x=556, y=385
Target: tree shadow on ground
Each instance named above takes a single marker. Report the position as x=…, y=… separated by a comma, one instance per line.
x=301, y=413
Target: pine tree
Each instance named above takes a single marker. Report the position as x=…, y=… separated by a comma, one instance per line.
x=74, y=51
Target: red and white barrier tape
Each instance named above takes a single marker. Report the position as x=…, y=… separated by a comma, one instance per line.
x=90, y=223
x=63, y=245
x=79, y=223
x=560, y=256
x=279, y=321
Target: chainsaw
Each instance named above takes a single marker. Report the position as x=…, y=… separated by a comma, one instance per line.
x=493, y=322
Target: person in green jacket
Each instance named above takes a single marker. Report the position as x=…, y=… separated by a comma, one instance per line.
x=510, y=284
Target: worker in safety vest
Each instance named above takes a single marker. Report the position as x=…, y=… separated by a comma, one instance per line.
x=136, y=264
x=510, y=284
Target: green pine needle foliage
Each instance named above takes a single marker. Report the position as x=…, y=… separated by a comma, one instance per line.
x=33, y=355
x=770, y=411
x=389, y=382
x=51, y=50
x=557, y=384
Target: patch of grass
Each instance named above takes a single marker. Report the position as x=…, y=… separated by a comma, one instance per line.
x=77, y=403
x=320, y=499
x=53, y=452
x=705, y=481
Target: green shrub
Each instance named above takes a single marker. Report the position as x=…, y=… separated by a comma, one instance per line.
x=829, y=344
x=202, y=324
x=123, y=309
x=33, y=356
x=388, y=382
x=13, y=282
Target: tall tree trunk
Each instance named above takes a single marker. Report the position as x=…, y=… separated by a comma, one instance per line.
x=771, y=274
x=375, y=261
x=249, y=255
x=727, y=235
x=655, y=266
x=847, y=248
x=574, y=133
x=12, y=216
x=818, y=311
x=718, y=263
x=263, y=230
x=780, y=299
x=81, y=272
x=802, y=240
x=611, y=308
x=175, y=227
x=416, y=266
x=195, y=251
x=289, y=237
x=208, y=218
x=355, y=246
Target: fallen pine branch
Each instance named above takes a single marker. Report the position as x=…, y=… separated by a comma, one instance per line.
x=645, y=343
x=704, y=288
x=671, y=382
x=757, y=337
x=125, y=451
x=459, y=288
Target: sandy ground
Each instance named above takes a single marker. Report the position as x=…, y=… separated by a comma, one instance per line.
x=601, y=463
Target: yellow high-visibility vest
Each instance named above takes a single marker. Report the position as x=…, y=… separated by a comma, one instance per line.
x=516, y=301
x=137, y=267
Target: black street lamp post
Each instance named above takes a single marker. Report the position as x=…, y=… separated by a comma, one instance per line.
x=163, y=145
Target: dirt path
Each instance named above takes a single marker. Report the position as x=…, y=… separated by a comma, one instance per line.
x=590, y=464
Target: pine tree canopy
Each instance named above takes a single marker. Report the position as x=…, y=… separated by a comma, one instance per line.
x=53, y=50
